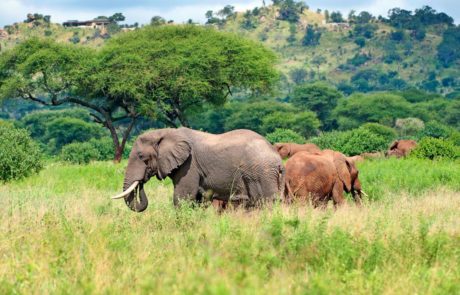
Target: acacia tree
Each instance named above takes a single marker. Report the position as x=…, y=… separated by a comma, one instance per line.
x=160, y=72
x=173, y=71
x=54, y=74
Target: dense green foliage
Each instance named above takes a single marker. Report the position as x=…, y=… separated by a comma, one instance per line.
x=285, y=135
x=54, y=129
x=20, y=156
x=436, y=148
x=448, y=48
x=352, y=142
x=388, y=133
x=380, y=108
x=318, y=97
x=176, y=70
x=79, y=153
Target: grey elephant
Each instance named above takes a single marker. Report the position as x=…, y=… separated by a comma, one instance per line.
x=239, y=165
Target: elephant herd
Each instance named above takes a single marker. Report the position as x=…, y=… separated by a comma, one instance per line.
x=240, y=167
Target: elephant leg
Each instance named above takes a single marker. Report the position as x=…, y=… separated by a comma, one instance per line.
x=254, y=191
x=186, y=187
x=337, y=194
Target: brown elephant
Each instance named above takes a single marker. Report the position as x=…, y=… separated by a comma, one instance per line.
x=313, y=177
x=197, y=162
x=287, y=150
x=401, y=148
x=347, y=172
x=355, y=159
x=319, y=180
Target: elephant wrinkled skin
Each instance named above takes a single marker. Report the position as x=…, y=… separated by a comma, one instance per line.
x=198, y=162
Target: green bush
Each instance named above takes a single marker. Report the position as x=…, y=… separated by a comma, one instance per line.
x=384, y=131
x=67, y=130
x=55, y=129
x=284, y=135
x=305, y=123
x=79, y=153
x=20, y=156
x=435, y=129
x=104, y=146
x=360, y=141
x=352, y=142
x=435, y=148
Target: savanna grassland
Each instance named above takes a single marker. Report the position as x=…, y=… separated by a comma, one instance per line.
x=61, y=233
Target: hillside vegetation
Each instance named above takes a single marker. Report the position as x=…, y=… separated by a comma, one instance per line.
x=360, y=53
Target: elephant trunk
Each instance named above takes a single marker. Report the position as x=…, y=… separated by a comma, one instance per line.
x=135, y=172
x=132, y=201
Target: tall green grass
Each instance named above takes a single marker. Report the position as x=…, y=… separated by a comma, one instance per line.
x=62, y=234
x=383, y=178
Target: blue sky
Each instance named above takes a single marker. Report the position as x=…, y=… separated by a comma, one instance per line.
x=181, y=10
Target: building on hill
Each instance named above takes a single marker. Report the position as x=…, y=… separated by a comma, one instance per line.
x=3, y=34
x=97, y=23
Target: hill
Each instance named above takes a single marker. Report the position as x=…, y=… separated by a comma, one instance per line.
x=362, y=53
x=356, y=55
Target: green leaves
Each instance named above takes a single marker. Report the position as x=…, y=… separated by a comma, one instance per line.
x=20, y=156
x=318, y=97
x=172, y=70
x=42, y=68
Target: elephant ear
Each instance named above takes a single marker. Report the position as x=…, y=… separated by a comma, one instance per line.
x=283, y=149
x=173, y=149
x=394, y=145
x=343, y=170
x=287, y=147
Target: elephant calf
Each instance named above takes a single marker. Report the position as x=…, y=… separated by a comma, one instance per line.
x=239, y=165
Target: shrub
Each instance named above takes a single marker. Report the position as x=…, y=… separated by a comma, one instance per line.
x=285, y=135
x=358, y=59
x=384, y=131
x=352, y=142
x=360, y=141
x=437, y=130
x=104, y=146
x=305, y=123
x=79, y=153
x=435, y=148
x=68, y=130
x=20, y=156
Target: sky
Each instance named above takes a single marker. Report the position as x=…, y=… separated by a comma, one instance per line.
x=180, y=11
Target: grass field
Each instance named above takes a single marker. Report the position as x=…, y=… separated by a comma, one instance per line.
x=61, y=233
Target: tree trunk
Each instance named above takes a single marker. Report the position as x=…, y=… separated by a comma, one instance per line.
x=118, y=154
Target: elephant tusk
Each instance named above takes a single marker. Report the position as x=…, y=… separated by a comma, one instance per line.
x=128, y=191
x=364, y=193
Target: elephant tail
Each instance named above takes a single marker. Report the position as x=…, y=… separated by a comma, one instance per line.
x=288, y=196
x=281, y=179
